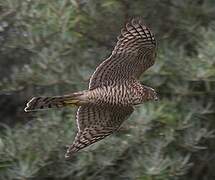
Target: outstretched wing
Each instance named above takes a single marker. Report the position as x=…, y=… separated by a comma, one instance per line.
x=132, y=55
x=96, y=123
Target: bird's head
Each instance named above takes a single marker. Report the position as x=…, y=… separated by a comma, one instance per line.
x=151, y=94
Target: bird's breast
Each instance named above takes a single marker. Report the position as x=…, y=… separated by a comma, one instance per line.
x=122, y=94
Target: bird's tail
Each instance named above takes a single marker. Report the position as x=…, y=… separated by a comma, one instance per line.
x=39, y=103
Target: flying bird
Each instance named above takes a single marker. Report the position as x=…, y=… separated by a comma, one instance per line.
x=113, y=90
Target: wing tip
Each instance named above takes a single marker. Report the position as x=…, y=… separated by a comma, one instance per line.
x=71, y=150
x=134, y=22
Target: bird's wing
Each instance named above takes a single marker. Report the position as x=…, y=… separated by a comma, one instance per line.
x=133, y=54
x=95, y=123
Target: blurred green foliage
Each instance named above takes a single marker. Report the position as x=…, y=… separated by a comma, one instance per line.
x=52, y=47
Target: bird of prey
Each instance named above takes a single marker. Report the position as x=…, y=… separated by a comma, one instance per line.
x=113, y=90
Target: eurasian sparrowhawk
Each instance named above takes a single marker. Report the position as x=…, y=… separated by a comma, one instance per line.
x=113, y=88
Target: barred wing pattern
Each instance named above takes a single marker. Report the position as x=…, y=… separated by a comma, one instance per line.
x=133, y=54
x=96, y=123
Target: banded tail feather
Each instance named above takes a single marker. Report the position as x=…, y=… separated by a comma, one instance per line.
x=40, y=103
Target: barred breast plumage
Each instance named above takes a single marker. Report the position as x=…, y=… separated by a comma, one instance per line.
x=125, y=93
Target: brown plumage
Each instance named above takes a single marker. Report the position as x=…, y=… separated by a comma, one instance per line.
x=113, y=89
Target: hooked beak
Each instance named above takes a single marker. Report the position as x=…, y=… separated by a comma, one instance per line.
x=156, y=97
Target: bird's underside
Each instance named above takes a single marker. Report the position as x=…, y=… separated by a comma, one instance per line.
x=113, y=88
